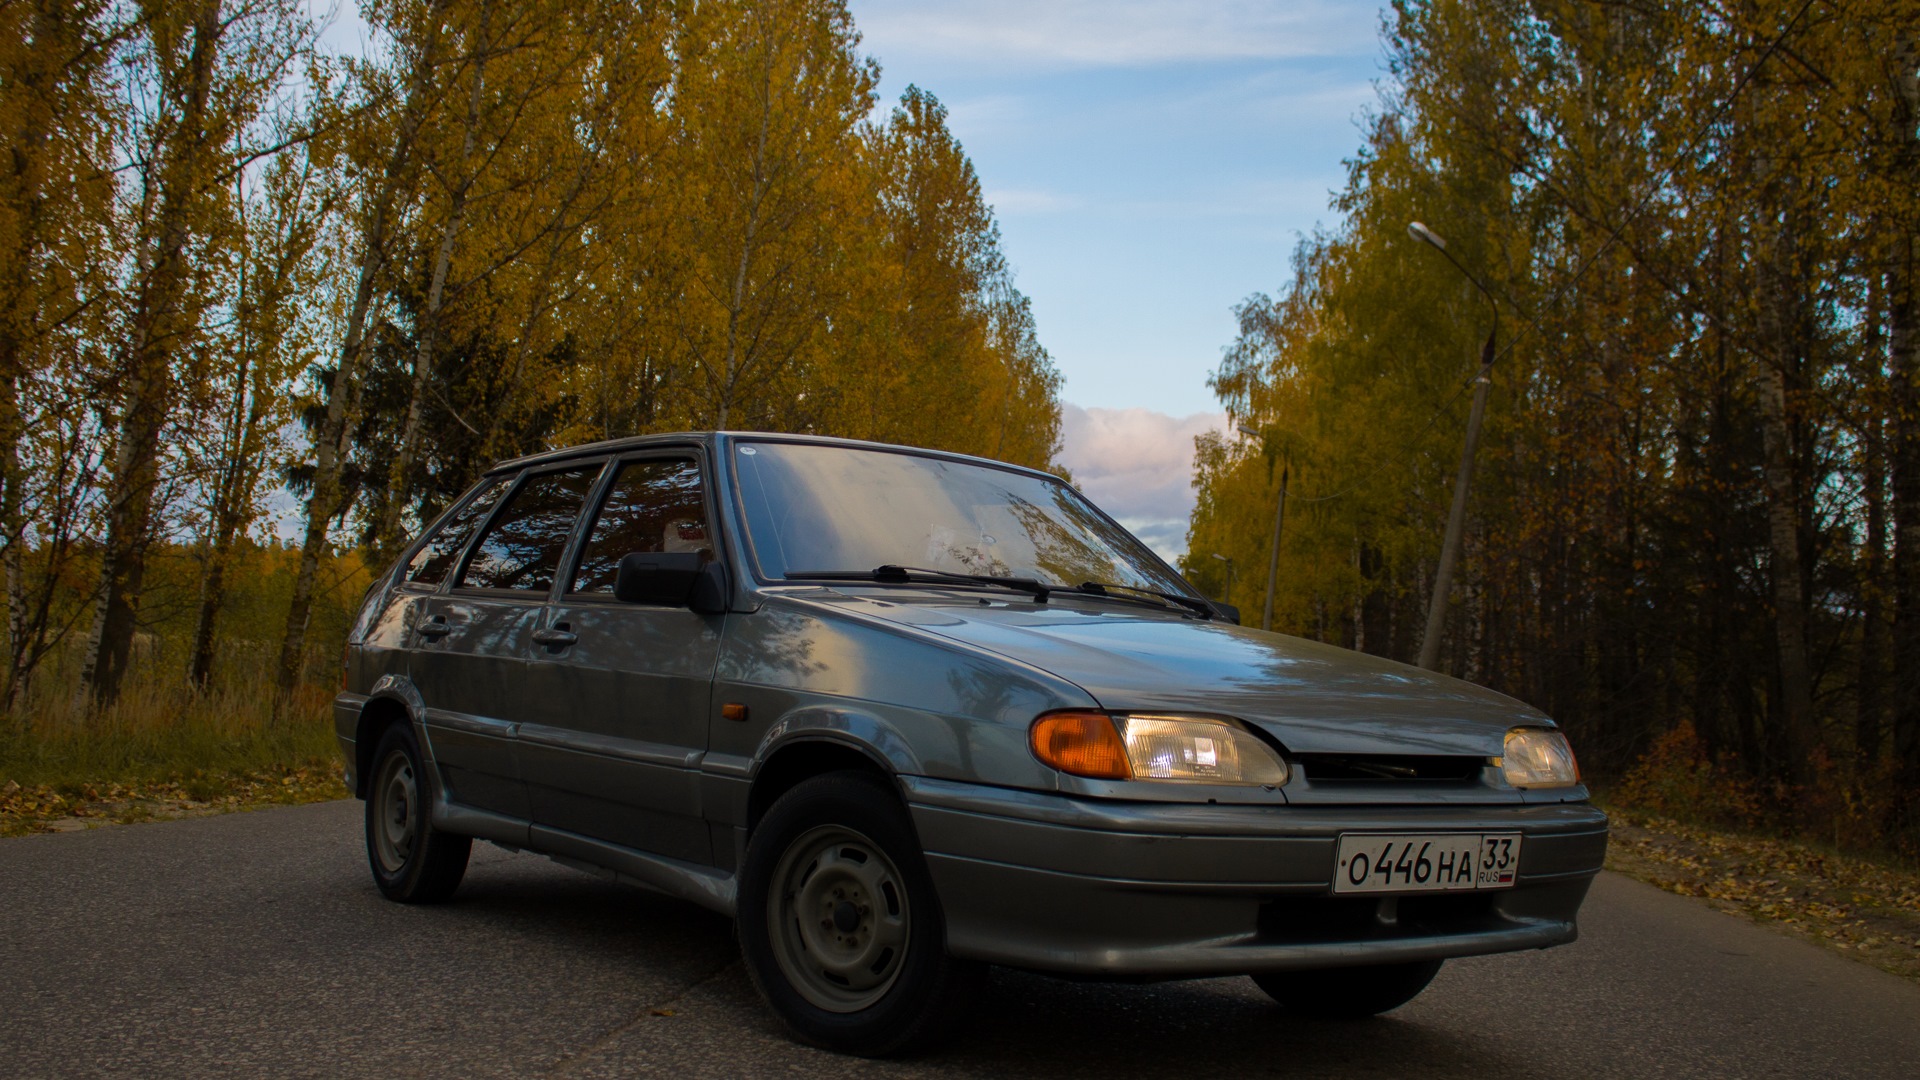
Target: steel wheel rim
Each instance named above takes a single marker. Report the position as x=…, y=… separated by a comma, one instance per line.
x=396, y=812
x=840, y=920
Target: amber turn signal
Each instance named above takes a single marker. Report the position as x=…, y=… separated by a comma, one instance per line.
x=734, y=711
x=1081, y=743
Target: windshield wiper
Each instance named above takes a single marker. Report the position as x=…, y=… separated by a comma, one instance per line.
x=901, y=575
x=1106, y=588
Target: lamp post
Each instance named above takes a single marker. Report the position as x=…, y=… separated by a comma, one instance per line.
x=1456, y=519
x=1279, y=515
x=1227, y=598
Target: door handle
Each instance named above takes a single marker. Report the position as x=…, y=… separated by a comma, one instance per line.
x=436, y=627
x=557, y=636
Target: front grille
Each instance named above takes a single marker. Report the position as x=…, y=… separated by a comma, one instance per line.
x=1388, y=767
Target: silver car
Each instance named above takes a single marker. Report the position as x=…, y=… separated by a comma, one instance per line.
x=905, y=714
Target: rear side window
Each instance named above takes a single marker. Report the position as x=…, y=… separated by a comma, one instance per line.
x=429, y=565
x=521, y=549
x=651, y=506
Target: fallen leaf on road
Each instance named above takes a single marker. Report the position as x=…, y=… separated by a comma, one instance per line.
x=1867, y=910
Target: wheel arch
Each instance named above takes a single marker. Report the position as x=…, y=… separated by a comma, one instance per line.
x=799, y=759
x=378, y=714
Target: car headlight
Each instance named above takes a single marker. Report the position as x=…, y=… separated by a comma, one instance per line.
x=1539, y=758
x=1130, y=746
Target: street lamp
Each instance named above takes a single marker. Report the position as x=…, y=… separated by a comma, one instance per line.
x=1456, y=519
x=1227, y=598
x=1279, y=514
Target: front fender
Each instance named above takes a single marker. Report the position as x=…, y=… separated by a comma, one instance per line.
x=853, y=727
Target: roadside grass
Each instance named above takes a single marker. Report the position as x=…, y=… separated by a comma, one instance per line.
x=1861, y=907
x=165, y=752
x=1836, y=861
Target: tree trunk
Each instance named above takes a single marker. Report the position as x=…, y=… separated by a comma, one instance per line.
x=1869, y=726
x=1903, y=348
x=1789, y=603
x=160, y=324
x=21, y=295
x=400, y=477
x=1903, y=362
x=136, y=474
x=213, y=594
x=231, y=509
x=332, y=444
x=12, y=523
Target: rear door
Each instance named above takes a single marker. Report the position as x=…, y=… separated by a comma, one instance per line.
x=472, y=667
x=482, y=766
x=621, y=725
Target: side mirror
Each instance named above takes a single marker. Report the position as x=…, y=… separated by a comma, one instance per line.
x=672, y=579
x=1227, y=611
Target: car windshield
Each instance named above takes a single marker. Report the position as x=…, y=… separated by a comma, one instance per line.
x=834, y=508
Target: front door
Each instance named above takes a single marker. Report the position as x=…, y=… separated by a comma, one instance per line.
x=622, y=723
x=472, y=671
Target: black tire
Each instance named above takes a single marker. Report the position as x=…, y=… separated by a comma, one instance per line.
x=1348, y=993
x=412, y=862
x=842, y=843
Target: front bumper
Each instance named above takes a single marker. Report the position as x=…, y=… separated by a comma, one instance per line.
x=1089, y=887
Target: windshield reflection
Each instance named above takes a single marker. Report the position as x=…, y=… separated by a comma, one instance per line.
x=832, y=508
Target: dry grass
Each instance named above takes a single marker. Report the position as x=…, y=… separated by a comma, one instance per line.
x=1832, y=862
x=166, y=751
x=1861, y=907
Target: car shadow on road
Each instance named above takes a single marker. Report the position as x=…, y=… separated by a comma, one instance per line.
x=1035, y=1025
x=563, y=911
x=1025, y=1024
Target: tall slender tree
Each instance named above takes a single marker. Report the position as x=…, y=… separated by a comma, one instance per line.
x=212, y=70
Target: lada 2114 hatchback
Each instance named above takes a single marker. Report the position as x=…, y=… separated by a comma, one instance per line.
x=904, y=714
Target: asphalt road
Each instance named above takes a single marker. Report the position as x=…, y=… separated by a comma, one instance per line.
x=255, y=945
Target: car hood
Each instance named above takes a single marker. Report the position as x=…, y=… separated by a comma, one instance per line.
x=1314, y=698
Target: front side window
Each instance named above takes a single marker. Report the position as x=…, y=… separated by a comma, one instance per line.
x=652, y=506
x=429, y=565
x=521, y=549
x=834, y=508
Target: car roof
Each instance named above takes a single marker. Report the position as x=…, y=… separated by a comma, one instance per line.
x=682, y=438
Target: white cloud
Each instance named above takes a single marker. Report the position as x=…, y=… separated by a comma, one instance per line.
x=1137, y=465
x=1120, y=33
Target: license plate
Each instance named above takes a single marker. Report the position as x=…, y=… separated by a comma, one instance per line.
x=1425, y=862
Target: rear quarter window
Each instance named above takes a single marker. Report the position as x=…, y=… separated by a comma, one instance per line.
x=431, y=564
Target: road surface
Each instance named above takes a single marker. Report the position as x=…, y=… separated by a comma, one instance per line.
x=254, y=944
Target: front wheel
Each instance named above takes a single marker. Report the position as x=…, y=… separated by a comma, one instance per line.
x=412, y=862
x=839, y=923
x=1348, y=993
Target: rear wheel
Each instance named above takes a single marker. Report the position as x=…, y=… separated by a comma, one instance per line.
x=1348, y=993
x=412, y=862
x=839, y=924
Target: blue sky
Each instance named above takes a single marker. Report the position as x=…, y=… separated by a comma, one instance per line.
x=1151, y=163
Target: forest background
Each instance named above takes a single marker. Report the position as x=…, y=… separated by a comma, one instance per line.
x=241, y=272
x=1694, y=533
x=244, y=273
